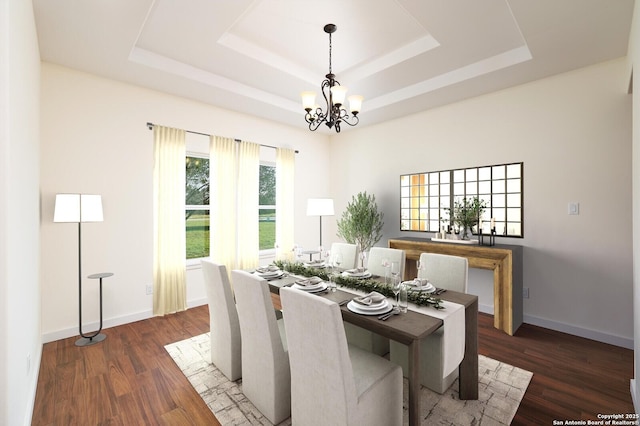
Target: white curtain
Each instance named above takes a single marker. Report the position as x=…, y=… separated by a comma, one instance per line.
x=224, y=176
x=248, y=201
x=169, y=291
x=285, y=161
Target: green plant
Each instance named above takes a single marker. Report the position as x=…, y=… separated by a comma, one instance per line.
x=361, y=222
x=466, y=213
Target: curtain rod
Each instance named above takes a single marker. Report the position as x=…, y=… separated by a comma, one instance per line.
x=150, y=126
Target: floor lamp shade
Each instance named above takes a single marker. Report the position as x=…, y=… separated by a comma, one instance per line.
x=320, y=207
x=78, y=208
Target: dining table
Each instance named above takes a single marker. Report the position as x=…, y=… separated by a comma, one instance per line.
x=411, y=328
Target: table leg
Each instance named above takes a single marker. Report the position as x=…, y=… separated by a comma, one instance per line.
x=414, y=383
x=468, y=370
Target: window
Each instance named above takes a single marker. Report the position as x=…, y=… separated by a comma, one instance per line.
x=267, y=207
x=425, y=197
x=197, y=206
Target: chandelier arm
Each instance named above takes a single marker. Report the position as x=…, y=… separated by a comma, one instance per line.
x=354, y=119
x=313, y=125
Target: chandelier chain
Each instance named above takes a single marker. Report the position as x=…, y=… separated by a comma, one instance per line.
x=330, y=72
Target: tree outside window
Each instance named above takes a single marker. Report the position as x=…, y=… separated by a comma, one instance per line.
x=197, y=207
x=267, y=207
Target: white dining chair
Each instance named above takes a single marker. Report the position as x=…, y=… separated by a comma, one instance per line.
x=266, y=379
x=223, y=321
x=358, y=336
x=349, y=254
x=377, y=254
x=443, y=271
x=332, y=382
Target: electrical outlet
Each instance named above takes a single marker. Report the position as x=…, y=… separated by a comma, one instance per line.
x=525, y=293
x=574, y=208
x=149, y=289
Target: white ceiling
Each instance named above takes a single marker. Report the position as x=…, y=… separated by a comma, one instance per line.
x=403, y=56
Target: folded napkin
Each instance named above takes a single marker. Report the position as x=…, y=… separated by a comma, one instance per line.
x=370, y=299
x=265, y=269
x=311, y=281
x=418, y=282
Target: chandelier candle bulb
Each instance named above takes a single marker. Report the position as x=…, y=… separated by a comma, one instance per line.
x=308, y=100
x=338, y=93
x=355, y=103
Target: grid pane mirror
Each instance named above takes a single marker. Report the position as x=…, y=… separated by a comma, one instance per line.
x=425, y=197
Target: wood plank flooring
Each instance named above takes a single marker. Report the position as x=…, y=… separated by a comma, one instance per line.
x=129, y=379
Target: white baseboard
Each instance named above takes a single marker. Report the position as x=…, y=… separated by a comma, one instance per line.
x=611, y=339
x=485, y=309
x=31, y=402
x=109, y=322
x=599, y=336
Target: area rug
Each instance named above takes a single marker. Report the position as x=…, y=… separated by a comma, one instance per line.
x=501, y=388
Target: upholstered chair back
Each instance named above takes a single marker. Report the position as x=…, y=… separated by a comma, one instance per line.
x=223, y=321
x=266, y=379
x=445, y=271
x=333, y=383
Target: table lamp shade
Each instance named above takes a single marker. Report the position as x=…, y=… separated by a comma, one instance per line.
x=320, y=207
x=78, y=208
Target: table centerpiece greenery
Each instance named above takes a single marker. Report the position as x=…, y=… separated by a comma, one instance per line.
x=366, y=285
x=361, y=222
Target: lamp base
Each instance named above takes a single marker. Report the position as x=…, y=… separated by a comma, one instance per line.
x=83, y=341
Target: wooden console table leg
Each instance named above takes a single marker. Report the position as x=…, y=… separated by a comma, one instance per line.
x=502, y=298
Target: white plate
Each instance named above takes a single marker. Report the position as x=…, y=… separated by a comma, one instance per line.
x=373, y=306
x=356, y=308
x=322, y=286
x=315, y=264
x=365, y=274
x=271, y=274
x=428, y=288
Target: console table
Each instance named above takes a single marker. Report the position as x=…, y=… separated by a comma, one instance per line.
x=504, y=260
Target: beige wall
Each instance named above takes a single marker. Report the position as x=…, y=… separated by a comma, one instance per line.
x=94, y=140
x=634, y=63
x=573, y=133
x=20, y=333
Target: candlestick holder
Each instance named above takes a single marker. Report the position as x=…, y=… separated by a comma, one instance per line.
x=490, y=240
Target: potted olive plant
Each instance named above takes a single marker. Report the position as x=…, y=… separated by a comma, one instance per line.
x=466, y=214
x=361, y=222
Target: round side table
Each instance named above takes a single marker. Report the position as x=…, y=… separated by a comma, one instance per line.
x=92, y=339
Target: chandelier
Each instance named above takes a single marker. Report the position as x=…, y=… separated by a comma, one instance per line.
x=334, y=95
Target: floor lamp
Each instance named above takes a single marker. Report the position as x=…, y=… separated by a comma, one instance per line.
x=320, y=207
x=79, y=208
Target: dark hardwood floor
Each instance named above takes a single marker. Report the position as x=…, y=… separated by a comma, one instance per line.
x=129, y=379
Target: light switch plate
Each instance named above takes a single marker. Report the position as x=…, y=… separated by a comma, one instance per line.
x=574, y=208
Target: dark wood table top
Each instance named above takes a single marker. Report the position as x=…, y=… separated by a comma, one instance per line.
x=403, y=328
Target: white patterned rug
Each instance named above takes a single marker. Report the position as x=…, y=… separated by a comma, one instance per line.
x=501, y=388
